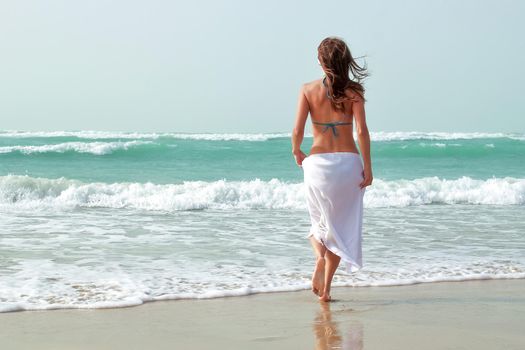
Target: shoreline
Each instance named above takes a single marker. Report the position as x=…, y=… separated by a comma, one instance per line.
x=481, y=314
x=237, y=294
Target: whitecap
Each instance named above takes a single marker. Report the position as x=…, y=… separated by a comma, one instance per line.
x=97, y=148
x=25, y=192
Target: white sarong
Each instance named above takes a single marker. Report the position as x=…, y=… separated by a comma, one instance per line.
x=335, y=203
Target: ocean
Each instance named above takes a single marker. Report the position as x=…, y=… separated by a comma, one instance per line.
x=93, y=219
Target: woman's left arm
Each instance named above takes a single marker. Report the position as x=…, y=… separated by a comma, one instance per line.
x=363, y=139
x=298, y=131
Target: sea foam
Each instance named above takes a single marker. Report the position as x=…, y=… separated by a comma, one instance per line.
x=375, y=135
x=97, y=148
x=22, y=191
x=45, y=285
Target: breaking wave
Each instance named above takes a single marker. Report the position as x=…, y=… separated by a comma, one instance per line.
x=25, y=192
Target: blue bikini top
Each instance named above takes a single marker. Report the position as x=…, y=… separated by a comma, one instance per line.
x=331, y=125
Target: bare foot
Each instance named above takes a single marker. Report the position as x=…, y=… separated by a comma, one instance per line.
x=325, y=297
x=318, y=276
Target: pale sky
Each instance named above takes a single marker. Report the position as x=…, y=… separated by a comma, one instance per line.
x=236, y=66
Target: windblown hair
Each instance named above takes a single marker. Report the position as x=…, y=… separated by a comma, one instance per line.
x=337, y=61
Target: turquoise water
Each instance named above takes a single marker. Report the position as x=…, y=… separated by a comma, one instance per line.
x=98, y=219
x=169, y=159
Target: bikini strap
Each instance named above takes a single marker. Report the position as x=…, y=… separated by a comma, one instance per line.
x=331, y=125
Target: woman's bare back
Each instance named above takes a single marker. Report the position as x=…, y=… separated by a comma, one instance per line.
x=327, y=136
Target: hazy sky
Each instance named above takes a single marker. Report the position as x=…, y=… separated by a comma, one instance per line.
x=236, y=66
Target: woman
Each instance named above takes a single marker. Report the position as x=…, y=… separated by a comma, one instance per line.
x=334, y=175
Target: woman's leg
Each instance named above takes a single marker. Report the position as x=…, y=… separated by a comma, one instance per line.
x=319, y=270
x=319, y=248
x=331, y=264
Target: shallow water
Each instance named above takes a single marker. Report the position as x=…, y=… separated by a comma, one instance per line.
x=91, y=219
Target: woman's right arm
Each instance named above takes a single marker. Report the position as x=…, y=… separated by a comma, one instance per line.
x=298, y=131
x=363, y=138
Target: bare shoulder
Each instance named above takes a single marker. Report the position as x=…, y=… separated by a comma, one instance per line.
x=354, y=96
x=312, y=85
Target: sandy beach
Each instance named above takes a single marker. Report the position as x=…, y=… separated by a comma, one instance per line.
x=486, y=314
x=165, y=164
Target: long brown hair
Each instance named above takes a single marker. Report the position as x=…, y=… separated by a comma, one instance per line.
x=337, y=61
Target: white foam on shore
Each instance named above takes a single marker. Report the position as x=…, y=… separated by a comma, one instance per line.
x=25, y=192
x=118, y=291
x=105, y=258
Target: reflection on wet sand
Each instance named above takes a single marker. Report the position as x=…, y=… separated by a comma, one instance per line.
x=328, y=334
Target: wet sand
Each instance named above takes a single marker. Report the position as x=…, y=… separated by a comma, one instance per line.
x=487, y=314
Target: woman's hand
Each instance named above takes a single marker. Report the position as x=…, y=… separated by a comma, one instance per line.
x=299, y=157
x=367, y=177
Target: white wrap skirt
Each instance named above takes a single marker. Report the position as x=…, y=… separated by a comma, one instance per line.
x=335, y=203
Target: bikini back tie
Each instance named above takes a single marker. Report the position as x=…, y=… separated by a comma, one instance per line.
x=331, y=125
